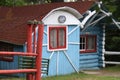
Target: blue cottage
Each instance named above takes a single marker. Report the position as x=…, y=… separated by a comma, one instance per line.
x=73, y=39
x=61, y=40
x=74, y=42
x=69, y=45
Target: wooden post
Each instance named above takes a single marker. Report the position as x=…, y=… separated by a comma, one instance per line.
x=39, y=51
x=103, y=47
x=29, y=36
x=29, y=44
x=34, y=42
x=34, y=39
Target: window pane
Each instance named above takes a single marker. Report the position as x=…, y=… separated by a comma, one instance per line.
x=53, y=38
x=91, y=43
x=81, y=39
x=61, y=37
x=82, y=43
x=57, y=38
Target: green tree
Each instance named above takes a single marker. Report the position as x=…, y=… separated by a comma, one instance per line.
x=112, y=39
x=113, y=36
x=42, y=1
x=12, y=2
x=114, y=7
x=25, y=2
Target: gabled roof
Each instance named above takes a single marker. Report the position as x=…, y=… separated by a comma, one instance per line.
x=13, y=20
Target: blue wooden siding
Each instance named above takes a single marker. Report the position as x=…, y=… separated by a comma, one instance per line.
x=80, y=61
x=63, y=66
x=92, y=60
x=12, y=65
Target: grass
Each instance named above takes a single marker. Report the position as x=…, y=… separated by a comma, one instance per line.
x=81, y=76
x=75, y=76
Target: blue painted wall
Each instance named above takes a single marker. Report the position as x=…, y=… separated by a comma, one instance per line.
x=59, y=63
x=12, y=65
x=92, y=60
x=64, y=66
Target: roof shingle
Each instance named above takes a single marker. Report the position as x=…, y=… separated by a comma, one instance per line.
x=13, y=20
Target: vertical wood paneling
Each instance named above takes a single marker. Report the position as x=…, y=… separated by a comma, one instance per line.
x=12, y=65
x=63, y=64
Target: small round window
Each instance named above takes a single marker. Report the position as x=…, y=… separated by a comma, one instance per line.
x=61, y=19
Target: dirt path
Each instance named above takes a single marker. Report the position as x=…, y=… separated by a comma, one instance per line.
x=102, y=73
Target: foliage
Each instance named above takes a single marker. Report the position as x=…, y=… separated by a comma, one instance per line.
x=12, y=2
x=43, y=1
x=114, y=7
x=24, y=2
x=112, y=39
x=113, y=36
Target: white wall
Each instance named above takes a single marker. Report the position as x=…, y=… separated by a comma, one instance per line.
x=53, y=19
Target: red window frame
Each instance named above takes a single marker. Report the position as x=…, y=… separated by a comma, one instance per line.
x=86, y=50
x=58, y=47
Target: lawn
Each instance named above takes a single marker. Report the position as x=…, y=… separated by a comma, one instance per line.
x=75, y=76
x=83, y=76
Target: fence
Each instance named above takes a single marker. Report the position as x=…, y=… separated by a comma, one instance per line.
x=111, y=53
x=32, y=73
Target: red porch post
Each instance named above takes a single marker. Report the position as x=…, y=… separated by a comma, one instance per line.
x=29, y=45
x=29, y=36
x=39, y=51
x=34, y=39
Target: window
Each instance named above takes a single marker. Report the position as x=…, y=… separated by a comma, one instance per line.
x=87, y=43
x=6, y=47
x=57, y=38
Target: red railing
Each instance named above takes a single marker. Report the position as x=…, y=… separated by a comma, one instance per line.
x=17, y=53
x=13, y=71
x=38, y=54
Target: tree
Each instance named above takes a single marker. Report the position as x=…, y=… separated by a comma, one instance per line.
x=114, y=7
x=43, y=1
x=12, y=2
x=24, y=2
x=113, y=36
